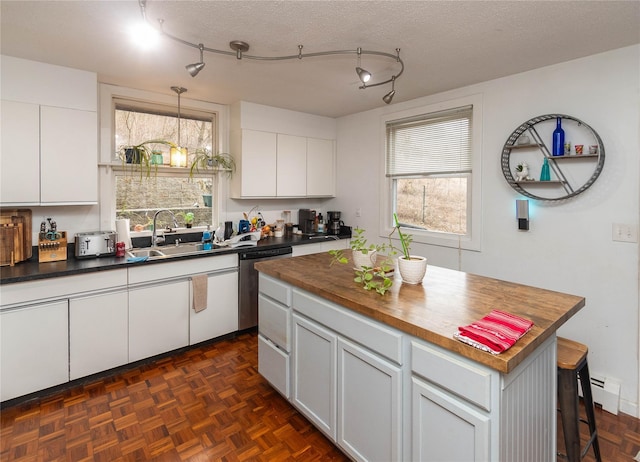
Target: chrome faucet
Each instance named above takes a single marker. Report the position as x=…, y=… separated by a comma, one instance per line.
x=155, y=240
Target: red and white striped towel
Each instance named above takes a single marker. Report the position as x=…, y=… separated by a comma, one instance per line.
x=496, y=332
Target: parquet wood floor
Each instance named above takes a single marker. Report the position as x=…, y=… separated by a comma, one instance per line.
x=205, y=404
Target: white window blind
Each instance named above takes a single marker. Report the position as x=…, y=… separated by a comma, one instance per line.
x=428, y=144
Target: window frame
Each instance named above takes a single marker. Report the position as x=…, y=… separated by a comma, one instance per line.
x=472, y=240
x=108, y=164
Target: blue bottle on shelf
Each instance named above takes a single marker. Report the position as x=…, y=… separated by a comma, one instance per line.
x=558, y=139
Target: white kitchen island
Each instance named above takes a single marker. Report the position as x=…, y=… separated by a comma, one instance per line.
x=383, y=377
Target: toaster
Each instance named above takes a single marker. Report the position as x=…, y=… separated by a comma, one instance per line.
x=95, y=244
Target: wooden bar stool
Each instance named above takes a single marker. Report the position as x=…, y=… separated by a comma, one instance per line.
x=572, y=365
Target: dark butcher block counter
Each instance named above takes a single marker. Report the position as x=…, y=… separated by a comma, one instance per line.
x=433, y=310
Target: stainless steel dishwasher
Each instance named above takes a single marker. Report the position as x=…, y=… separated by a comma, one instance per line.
x=248, y=282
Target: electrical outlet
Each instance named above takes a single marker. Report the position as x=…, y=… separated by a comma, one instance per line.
x=624, y=233
x=358, y=212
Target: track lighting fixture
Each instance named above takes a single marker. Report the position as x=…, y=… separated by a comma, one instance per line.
x=363, y=75
x=197, y=67
x=239, y=48
x=389, y=96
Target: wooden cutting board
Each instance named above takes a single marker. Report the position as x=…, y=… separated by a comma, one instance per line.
x=15, y=235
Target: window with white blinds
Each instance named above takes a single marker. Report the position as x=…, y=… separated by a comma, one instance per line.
x=430, y=144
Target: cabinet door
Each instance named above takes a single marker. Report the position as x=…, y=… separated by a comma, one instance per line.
x=158, y=319
x=20, y=155
x=320, y=168
x=445, y=428
x=292, y=166
x=256, y=175
x=314, y=374
x=98, y=333
x=369, y=404
x=306, y=249
x=34, y=348
x=221, y=315
x=68, y=156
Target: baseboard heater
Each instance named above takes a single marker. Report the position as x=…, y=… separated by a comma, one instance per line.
x=605, y=392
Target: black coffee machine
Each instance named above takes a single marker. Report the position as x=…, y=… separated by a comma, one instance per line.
x=334, y=224
x=306, y=221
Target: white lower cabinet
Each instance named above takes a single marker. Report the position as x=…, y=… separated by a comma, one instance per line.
x=34, y=348
x=98, y=333
x=221, y=315
x=158, y=319
x=314, y=368
x=318, y=247
x=369, y=404
x=445, y=428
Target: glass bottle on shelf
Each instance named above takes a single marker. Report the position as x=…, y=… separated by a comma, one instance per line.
x=545, y=175
x=558, y=139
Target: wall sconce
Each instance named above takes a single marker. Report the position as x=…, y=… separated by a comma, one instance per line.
x=522, y=214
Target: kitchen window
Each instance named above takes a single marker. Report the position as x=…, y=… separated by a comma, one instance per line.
x=137, y=196
x=432, y=170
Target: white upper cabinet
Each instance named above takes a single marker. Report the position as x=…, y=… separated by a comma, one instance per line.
x=255, y=155
x=49, y=134
x=321, y=167
x=20, y=155
x=281, y=153
x=291, y=161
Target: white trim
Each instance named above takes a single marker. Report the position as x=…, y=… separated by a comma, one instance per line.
x=475, y=214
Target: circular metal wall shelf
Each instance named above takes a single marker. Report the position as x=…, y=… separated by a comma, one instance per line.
x=562, y=187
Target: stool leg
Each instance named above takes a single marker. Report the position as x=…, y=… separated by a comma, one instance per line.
x=568, y=400
x=585, y=381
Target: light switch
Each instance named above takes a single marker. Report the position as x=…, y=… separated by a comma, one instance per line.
x=624, y=233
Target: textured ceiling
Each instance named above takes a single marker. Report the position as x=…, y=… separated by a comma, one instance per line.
x=445, y=44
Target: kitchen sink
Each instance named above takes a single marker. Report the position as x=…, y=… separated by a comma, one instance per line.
x=144, y=253
x=156, y=253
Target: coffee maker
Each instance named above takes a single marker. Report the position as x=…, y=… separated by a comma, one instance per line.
x=334, y=223
x=306, y=221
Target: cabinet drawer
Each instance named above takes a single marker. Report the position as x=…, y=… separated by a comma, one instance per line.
x=467, y=380
x=275, y=289
x=274, y=322
x=273, y=365
x=374, y=335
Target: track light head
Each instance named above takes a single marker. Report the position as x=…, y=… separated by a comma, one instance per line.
x=363, y=75
x=193, y=69
x=389, y=97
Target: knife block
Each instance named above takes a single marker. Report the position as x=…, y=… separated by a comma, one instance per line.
x=52, y=250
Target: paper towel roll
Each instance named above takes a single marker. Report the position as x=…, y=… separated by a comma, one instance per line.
x=123, y=231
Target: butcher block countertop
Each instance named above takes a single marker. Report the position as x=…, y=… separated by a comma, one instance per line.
x=433, y=310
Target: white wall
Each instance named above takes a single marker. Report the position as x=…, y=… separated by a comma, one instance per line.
x=569, y=247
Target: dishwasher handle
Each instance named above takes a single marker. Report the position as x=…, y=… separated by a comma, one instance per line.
x=264, y=253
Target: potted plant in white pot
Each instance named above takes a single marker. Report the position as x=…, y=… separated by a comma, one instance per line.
x=412, y=267
x=368, y=274
x=363, y=254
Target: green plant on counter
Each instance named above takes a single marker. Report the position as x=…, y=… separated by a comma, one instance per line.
x=140, y=155
x=370, y=278
x=205, y=159
x=359, y=243
x=405, y=239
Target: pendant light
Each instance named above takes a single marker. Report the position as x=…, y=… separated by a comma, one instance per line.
x=178, y=156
